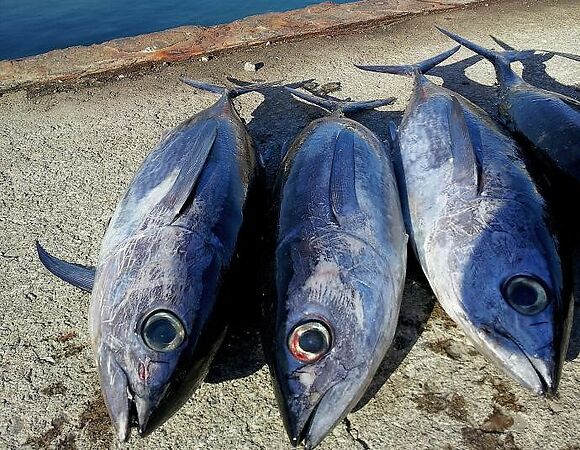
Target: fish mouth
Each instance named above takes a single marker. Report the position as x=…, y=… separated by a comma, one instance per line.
x=310, y=425
x=539, y=375
x=299, y=434
x=126, y=408
x=546, y=381
x=132, y=412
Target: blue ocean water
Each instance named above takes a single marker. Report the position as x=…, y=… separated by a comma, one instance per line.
x=30, y=27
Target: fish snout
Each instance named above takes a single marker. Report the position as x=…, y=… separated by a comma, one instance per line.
x=115, y=390
x=310, y=417
x=547, y=375
x=537, y=370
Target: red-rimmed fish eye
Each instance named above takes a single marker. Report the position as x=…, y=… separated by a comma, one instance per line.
x=526, y=294
x=162, y=331
x=309, y=341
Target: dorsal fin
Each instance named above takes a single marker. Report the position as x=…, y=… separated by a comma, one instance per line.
x=232, y=92
x=343, y=199
x=465, y=165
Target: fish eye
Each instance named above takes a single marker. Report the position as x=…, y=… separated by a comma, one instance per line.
x=526, y=294
x=162, y=331
x=309, y=341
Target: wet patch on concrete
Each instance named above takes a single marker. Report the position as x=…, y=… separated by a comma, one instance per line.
x=503, y=396
x=95, y=421
x=57, y=388
x=476, y=439
x=66, y=336
x=497, y=422
x=51, y=438
x=453, y=405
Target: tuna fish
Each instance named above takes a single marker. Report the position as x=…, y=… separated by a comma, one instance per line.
x=481, y=231
x=550, y=122
x=155, y=319
x=340, y=268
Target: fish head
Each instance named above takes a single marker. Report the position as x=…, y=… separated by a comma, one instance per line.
x=154, y=346
x=331, y=333
x=514, y=303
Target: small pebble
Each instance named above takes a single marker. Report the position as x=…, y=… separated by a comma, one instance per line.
x=252, y=67
x=204, y=58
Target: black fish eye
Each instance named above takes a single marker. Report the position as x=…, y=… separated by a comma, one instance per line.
x=162, y=331
x=526, y=294
x=309, y=341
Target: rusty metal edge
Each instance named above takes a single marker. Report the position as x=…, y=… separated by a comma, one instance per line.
x=74, y=64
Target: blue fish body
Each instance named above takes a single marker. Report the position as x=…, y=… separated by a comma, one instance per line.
x=340, y=262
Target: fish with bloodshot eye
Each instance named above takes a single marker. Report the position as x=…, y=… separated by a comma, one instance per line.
x=481, y=230
x=340, y=268
x=550, y=122
x=155, y=319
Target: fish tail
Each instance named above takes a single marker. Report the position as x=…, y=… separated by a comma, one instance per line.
x=234, y=92
x=255, y=87
x=336, y=105
x=412, y=69
x=204, y=86
x=497, y=58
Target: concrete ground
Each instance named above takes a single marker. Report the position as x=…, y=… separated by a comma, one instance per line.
x=66, y=157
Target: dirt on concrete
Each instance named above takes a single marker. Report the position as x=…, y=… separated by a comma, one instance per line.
x=66, y=156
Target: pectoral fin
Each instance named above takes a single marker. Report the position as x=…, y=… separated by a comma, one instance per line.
x=466, y=166
x=80, y=276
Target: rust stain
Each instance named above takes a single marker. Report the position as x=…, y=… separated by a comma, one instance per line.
x=187, y=42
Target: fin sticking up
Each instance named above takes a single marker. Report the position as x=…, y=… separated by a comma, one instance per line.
x=338, y=106
x=518, y=55
x=465, y=165
x=234, y=92
x=79, y=276
x=506, y=56
x=412, y=69
x=392, y=128
x=571, y=56
x=343, y=199
x=500, y=60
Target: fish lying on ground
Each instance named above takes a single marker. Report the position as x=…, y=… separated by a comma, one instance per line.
x=547, y=120
x=340, y=268
x=480, y=230
x=155, y=321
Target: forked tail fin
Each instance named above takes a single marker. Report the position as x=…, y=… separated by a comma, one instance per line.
x=234, y=92
x=421, y=67
x=501, y=60
x=506, y=56
x=341, y=106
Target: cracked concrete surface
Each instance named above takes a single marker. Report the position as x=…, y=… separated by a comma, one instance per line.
x=66, y=156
